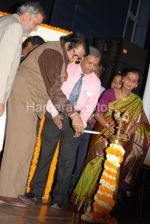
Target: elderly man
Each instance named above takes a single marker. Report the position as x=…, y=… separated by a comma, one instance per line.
x=82, y=89
x=40, y=77
x=12, y=30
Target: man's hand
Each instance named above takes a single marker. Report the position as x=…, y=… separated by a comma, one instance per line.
x=77, y=134
x=112, y=130
x=77, y=123
x=2, y=108
x=57, y=121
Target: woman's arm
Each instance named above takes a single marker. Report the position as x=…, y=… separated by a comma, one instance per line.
x=101, y=120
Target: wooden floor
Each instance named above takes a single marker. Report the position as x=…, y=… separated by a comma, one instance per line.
x=36, y=215
x=43, y=214
x=135, y=210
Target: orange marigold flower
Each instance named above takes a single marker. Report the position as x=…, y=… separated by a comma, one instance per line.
x=110, y=173
x=105, y=189
x=110, y=165
x=108, y=180
x=100, y=208
x=106, y=199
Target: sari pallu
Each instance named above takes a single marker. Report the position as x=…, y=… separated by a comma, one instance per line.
x=135, y=149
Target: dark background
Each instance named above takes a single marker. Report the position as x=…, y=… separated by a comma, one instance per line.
x=94, y=18
x=103, y=22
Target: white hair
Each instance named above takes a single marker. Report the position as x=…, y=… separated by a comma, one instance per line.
x=31, y=7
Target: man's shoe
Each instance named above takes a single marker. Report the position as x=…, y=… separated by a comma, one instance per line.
x=26, y=200
x=55, y=206
x=37, y=200
x=30, y=195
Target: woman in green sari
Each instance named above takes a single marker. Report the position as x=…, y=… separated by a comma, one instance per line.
x=135, y=149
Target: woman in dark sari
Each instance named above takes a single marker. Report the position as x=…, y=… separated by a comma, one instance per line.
x=135, y=149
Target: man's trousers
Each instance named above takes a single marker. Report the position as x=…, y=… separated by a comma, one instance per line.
x=66, y=160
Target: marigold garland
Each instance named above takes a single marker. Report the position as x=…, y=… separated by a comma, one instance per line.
x=110, y=173
x=51, y=174
x=105, y=189
x=115, y=152
x=110, y=165
x=99, y=207
x=35, y=161
x=108, y=180
x=35, y=155
x=104, y=197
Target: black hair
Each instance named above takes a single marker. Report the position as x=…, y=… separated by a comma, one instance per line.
x=133, y=70
x=74, y=40
x=118, y=73
x=35, y=40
